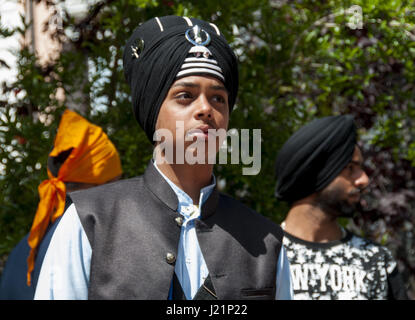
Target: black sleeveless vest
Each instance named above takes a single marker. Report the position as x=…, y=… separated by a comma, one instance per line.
x=134, y=232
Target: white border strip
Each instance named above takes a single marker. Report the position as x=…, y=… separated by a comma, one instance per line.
x=202, y=65
x=189, y=22
x=160, y=25
x=200, y=60
x=216, y=28
x=200, y=70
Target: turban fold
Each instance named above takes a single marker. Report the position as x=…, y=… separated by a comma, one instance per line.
x=155, y=54
x=92, y=159
x=314, y=156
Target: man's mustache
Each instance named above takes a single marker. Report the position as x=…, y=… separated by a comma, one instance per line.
x=358, y=191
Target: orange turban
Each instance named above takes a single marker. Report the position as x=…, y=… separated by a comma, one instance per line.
x=93, y=160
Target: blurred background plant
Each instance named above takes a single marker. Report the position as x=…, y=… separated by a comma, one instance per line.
x=298, y=60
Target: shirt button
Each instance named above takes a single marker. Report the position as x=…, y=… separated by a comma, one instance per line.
x=188, y=210
x=170, y=258
x=179, y=221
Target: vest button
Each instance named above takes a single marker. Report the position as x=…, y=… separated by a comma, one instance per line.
x=170, y=258
x=179, y=221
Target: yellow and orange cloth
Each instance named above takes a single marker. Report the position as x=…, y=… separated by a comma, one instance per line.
x=93, y=160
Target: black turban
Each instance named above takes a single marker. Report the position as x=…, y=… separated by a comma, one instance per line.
x=314, y=156
x=154, y=55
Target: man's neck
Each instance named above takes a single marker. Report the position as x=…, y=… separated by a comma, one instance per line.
x=189, y=178
x=307, y=221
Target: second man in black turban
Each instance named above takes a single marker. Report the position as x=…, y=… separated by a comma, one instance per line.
x=320, y=173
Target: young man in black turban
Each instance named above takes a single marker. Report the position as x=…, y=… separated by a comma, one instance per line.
x=319, y=172
x=169, y=234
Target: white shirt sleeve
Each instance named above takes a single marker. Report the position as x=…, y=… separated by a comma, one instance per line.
x=64, y=274
x=284, y=283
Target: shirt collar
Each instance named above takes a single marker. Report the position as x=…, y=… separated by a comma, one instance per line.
x=183, y=198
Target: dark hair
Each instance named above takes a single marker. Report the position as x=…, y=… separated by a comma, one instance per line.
x=55, y=163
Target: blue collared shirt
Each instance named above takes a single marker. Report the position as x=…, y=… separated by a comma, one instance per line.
x=65, y=270
x=190, y=267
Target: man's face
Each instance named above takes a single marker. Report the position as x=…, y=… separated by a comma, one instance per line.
x=199, y=103
x=342, y=195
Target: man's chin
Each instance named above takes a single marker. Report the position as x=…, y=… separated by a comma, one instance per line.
x=349, y=215
x=347, y=210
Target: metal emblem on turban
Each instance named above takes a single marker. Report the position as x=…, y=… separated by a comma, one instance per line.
x=197, y=36
x=199, y=59
x=137, y=48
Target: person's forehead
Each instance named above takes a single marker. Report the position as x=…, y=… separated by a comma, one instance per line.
x=197, y=80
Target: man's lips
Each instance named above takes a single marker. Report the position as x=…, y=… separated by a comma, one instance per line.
x=356, y=194
x=201, y=132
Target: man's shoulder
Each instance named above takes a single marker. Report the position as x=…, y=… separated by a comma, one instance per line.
x=247, y=216
x=239, y=207
x=364, y=243
x=119, y=188
x=371, y=248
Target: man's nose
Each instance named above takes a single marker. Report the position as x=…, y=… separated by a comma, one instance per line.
x=362, y=181
x=204, y=108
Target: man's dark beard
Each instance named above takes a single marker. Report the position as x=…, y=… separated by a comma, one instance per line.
x=332, y=201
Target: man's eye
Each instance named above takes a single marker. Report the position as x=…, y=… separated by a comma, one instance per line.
x=183, y=96
x=219, y=99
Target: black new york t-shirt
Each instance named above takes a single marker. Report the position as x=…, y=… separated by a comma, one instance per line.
x=352, y=268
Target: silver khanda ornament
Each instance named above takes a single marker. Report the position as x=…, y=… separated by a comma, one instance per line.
x=200, y=39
